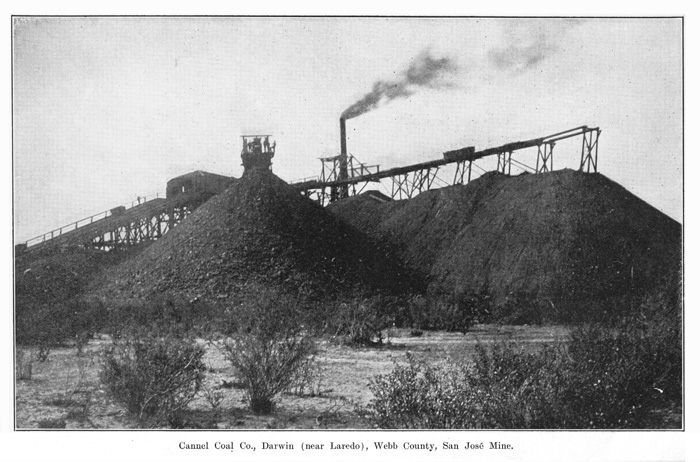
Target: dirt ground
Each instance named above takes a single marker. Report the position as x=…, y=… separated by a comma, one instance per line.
x=66, y=387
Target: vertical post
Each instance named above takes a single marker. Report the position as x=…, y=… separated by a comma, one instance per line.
x=504, y=162
x=343, y=164
x=459, y=173
x=551, y=156
x=595, y=164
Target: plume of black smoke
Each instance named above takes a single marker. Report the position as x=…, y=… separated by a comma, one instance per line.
x=425, y=71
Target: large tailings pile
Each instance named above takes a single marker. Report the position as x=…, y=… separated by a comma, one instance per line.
x=570, y=240
x=260, y=230
x=55, y=275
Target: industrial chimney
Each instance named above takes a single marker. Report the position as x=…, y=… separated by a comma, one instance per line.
x=343, y=161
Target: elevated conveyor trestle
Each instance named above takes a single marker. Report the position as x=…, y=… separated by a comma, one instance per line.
x=145, y=222
x=410, y=180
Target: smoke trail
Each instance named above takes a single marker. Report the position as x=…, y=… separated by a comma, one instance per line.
x=520, y=57
x=528, y=43
x=425, y=71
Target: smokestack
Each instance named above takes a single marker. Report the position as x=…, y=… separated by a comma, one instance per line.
x=343, y=164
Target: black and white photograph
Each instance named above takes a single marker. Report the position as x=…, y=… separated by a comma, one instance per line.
x=414, y=237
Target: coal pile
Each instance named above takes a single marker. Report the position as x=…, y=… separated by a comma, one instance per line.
x=260, y=231
x=55, y=275
x=567, y=238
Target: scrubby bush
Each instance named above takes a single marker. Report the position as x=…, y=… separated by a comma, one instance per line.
x=153, y=377
x=365, y=320
x=168, y=314
x=47, y=326
x=39, y=327
x=617, y=374
x=453, y=313
x=603, y=377
x=86, y=318
x=308, y=378
x=56, y=422
x=517, y=389
x=269, y=347
x=420, y=395
x=361, y=322
x=523, y=308
x=23, y=365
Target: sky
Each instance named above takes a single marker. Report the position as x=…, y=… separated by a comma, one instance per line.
x=109, y=109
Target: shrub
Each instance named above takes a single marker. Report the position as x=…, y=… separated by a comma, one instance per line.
x=40, y=327
x=270, y=346
x=23, y=365
x=48, y=326
x=57, y=422
x=214, y=398
x=617, y=374
x=85, y=319
x=171, y=315
x=307, y=379
x=361, y=323
x=603, y=377
x=153, y=377
x=453, y=313
x=420, y=395
x=166, y=315
x=517, y=389
x=524, y=308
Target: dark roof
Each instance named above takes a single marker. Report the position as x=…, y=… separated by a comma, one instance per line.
x=199, y=173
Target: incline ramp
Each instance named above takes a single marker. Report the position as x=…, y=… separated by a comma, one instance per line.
x=143, y=222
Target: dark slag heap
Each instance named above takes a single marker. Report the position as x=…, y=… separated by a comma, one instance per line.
x=260, y=230
x=570, y=238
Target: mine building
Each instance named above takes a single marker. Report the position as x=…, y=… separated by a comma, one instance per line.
x=197, y=182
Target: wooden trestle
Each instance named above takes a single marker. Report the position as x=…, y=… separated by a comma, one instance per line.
x=142, y=223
